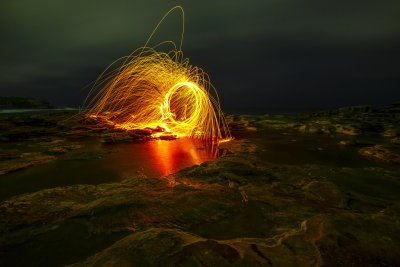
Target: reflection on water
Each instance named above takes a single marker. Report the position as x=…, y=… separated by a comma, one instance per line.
x=160, y=157
x=98, y=163
x=170, y=157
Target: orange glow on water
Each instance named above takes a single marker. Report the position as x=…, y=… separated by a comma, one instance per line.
x=158, y=158
x=168, y=157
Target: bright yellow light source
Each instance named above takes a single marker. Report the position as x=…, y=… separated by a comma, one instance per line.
x=153, y=89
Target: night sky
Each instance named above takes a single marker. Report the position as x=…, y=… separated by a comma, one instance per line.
x=261, y=55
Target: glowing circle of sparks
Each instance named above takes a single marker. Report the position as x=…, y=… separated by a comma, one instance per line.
x=187, y=122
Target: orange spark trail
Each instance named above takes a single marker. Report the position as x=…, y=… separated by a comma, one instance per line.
x=159, y=90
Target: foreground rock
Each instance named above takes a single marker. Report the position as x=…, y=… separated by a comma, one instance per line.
x=239, y=210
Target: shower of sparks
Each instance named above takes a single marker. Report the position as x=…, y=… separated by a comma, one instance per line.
x=159, y=90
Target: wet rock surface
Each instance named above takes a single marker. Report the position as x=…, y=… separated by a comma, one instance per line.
x=244, y=209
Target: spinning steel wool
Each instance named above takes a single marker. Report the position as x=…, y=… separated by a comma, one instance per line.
x=159, y=90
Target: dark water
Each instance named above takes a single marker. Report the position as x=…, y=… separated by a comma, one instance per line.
x=295, y=148
x=100, y=163
x=341, y=164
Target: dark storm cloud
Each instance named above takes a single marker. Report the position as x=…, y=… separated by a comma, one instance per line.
x=260, y=54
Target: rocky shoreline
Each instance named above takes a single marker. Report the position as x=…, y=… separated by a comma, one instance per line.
x=240, y=210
